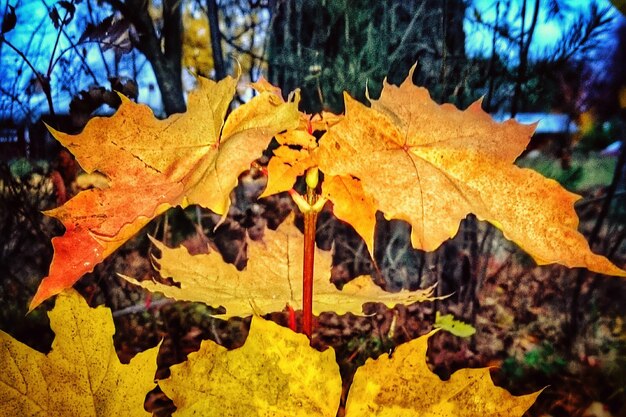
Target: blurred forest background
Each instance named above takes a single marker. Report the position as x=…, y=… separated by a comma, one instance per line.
x=559, y=62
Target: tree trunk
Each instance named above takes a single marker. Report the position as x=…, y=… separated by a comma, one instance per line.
x=525, y=40
x=453, y=49
x=167, y=62
x=491, y=74
x=216, y=39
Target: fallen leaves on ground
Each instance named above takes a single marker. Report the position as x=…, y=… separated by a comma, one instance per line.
x=81, y=376
x=152, y=165
x=272, y=279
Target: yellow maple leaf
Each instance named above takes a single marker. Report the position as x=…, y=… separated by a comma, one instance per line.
x=403, y=385
x=285, y=166
x=81, y=376
x=151, y=165
x=272, y=279
x=293, y=157
x=431, y=165
x=276, y=373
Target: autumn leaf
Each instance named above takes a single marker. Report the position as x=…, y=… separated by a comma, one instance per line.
x=349, y=191
x=448, y=323
x=403, y=385
x=275, y=373
x=293, y=157
x=264, y=86
x=285, y=166
x=272, y=279
x=152, y=165
x=431, y=165
x=81, y=376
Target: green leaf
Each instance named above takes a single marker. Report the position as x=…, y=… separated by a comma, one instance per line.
x=456, y=327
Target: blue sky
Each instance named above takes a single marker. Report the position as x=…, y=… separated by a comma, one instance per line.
x=32, y=18
x=35, y=35
x=547, y=32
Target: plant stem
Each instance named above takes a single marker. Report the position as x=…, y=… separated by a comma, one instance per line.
x=310, y=220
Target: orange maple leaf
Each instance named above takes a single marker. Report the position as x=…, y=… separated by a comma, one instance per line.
x=431, y=165
x=151, y=165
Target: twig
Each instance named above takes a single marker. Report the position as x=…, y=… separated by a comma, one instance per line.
x=138, y=308
x=582, y=203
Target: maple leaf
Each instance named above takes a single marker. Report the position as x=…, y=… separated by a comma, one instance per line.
x=275, y=373
x=284, y=168
x=152, y=165
x=431, y=165
x=81, y=376
x=293, y=157
x=403, y=385
x=272, y=279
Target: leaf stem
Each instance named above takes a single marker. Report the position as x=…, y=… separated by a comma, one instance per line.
x=309, y=204
x=310, y=221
